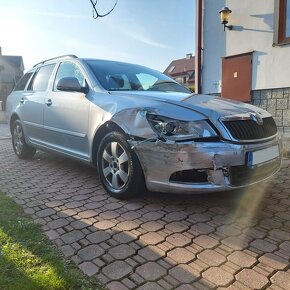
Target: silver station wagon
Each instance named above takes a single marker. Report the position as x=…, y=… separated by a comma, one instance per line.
x=140, y=128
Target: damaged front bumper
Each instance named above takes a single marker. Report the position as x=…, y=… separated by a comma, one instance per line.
x=188, y=167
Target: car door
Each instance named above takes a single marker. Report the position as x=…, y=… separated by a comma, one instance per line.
x=32, y=104
x=66, y=115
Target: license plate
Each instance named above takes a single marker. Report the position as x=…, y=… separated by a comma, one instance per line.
x=262, y=156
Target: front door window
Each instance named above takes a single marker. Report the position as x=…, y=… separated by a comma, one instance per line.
x=69, y=69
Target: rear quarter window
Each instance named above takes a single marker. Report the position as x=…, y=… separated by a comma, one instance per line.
x=21, y=85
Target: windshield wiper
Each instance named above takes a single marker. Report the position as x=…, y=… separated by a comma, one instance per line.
x=119, y=89
x=164, y=82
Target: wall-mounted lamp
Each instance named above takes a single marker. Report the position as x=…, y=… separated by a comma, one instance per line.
x=225, y=15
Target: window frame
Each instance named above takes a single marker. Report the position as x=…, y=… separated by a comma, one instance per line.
x=280, y=37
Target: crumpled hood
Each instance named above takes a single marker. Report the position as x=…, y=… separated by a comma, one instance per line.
x=215, y=107
x=212, y=107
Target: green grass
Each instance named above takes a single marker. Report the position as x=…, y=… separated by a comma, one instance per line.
x=28, y=260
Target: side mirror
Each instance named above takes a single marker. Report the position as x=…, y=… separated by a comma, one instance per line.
x=71, y=84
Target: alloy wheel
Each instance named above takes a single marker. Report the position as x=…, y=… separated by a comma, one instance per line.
x=18, y=139
x=115, y=165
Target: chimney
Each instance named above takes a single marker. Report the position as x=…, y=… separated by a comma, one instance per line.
x=188, y=55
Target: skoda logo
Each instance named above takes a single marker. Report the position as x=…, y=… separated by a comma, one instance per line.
x=256, y=118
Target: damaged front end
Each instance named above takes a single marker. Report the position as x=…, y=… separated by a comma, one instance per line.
x=193, y=155
x=201, y=166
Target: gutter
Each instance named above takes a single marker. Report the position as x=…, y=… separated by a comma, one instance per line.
x=198, y=40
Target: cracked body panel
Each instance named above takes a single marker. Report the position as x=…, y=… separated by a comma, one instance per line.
x=160, y=160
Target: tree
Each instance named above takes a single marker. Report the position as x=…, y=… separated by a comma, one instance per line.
x=96, y=13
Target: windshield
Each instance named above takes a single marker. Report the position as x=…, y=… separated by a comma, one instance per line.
x=116, y=76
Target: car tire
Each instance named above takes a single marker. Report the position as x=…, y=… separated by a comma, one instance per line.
x=119, y=168
x=21, y=149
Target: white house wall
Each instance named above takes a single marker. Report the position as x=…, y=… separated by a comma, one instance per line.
x=253, y=22
x=213, y=46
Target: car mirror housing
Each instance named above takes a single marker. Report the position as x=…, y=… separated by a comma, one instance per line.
x=71, y=84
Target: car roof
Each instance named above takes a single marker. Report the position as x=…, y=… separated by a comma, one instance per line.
x=74, y=57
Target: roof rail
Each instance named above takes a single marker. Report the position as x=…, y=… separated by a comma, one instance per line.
x=62, y=56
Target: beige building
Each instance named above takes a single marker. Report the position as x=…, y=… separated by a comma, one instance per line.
x=11, y=70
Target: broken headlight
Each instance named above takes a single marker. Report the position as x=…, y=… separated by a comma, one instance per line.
x=180, y=130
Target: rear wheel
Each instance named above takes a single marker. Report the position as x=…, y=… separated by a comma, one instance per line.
x=21, y=149
x=119, y=168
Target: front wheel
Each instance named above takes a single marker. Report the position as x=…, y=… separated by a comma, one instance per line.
x=21, y=149
x=119, y=168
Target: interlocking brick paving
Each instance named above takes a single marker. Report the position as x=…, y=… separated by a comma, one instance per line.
x=227, y=240
x=4, y=131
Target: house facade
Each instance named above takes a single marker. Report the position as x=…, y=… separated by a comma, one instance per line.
x=183, y=71
x=251, y=62
x=11, y=70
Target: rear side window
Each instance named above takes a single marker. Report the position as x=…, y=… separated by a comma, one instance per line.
x=41, y=78
x=23, y=82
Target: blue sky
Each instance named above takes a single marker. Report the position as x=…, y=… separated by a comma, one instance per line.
x=148, y=32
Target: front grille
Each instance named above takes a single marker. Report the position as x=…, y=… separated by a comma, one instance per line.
x=250, y=130
x=189, y=176
x=244, y=175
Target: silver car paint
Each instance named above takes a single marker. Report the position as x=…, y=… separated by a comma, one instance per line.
x=72, y=131
x=161, y=159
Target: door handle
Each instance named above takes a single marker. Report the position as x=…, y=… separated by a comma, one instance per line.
x=22, y=101
x=48, y=102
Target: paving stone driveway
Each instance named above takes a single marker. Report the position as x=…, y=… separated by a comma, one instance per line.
x=4, y=131
x=235, y=240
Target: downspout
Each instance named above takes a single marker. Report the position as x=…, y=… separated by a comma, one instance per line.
x=198, y=41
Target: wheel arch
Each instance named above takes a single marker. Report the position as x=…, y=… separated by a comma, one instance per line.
x=13, y=118
x=104, y=129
